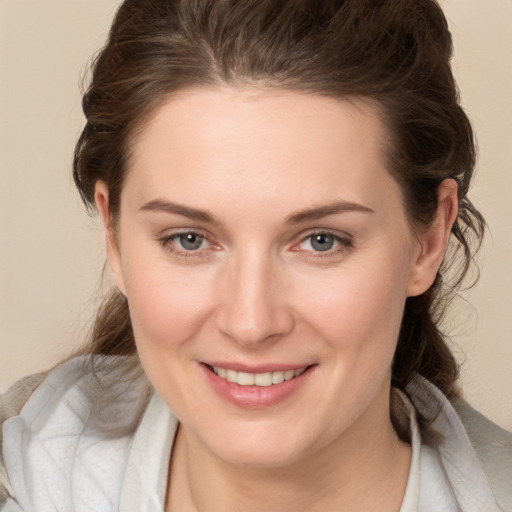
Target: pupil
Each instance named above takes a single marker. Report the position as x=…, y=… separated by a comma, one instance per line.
x=322, y=242
x=190, y=241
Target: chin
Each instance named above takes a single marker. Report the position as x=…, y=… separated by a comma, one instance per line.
x=260, y=448
x=263, y=458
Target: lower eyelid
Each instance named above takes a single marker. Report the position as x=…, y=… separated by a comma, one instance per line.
x=343, y=247
x=168, y=242
x=342, y=244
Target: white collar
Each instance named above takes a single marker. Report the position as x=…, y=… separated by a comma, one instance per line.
x=67, y=450
x=444, y=471
x=449, y=471
x=145, y=480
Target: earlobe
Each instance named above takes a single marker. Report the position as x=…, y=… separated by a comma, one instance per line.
x=433, y=241
x=101, y=197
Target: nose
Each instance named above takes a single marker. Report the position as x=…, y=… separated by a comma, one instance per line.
x=255, y=308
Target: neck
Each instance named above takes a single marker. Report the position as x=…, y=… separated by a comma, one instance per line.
x=365, y=468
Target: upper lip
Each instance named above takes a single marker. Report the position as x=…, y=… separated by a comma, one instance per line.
x=259, y=368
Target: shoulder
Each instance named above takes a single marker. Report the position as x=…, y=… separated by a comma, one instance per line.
x=11, y=404
x=75, y=413
x=493, y=447
x=476, y=453
x=13, y=400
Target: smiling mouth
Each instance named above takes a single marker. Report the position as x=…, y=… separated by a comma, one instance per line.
x=256, y=379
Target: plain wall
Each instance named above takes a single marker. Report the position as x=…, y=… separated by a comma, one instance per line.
x=51, y=253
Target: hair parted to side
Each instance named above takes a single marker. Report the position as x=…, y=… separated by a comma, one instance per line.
x=394, y=52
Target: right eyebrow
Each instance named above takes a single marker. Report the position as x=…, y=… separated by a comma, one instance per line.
x=160, y=205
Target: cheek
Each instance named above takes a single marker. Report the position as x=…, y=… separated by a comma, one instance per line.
x=358, y=307
x=167, y=304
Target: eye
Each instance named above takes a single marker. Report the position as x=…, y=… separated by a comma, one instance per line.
x=190, y=241
x=187, y=243
x=323, y=243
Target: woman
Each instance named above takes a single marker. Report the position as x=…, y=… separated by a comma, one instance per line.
x=279, y=182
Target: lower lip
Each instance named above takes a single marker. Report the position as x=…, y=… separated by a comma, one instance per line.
x=255, y=397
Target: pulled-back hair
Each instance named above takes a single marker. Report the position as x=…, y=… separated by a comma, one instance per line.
x=394, y=52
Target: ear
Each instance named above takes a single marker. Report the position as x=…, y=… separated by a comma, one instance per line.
x=101, y=195
x=433, y=241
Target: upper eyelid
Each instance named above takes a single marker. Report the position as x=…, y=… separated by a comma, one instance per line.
x=168, y=234
x=168, y=237
x=169, y=244
x=344, y=240
x=297, y=239
x=339, y=235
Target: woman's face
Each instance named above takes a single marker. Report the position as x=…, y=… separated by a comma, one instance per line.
x=261, y=237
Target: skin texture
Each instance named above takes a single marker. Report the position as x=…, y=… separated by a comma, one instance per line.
x=258, y=292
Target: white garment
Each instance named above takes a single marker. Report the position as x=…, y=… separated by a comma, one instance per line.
x=78, y=446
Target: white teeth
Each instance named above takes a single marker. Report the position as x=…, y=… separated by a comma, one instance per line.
x=257, y=379
x=263, y=379
x=277, y=377
x=245, y=379
x=289, y=374
x=296, y=373
x=231, y=376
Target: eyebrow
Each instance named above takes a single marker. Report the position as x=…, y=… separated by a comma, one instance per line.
x=160, y=205
x=326, y=210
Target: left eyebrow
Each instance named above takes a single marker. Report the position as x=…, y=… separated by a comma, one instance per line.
x=326, y=210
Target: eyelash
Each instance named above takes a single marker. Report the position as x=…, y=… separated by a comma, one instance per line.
x=344, y=243
x=167, y=243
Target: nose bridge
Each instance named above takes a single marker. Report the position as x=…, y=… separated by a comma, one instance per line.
x=255, y=309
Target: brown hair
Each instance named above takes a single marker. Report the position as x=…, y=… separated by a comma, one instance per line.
x=394, y=52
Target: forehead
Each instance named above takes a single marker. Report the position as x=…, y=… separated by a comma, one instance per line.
x=259, y=145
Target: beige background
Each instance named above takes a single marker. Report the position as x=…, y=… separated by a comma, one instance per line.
x=51, y=253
